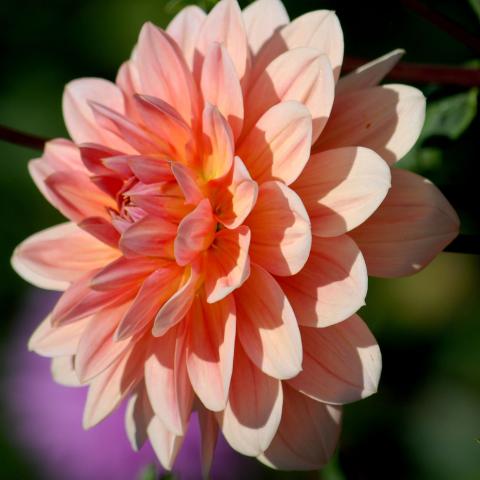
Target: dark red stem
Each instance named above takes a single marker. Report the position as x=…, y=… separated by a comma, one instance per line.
x=11, y=135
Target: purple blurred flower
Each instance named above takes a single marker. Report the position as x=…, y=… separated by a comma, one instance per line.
x=46, y=421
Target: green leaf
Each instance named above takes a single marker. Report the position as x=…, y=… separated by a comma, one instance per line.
x=148, y=473
x=475, y=4
x=450, y=116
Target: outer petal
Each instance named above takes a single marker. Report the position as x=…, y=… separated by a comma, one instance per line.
x=78, y=115
x=167, y=382
x=209, y=435
x=165, y=443
x=254, y=407
x=387, y=119
x=164, y=73
x=210, y=347
x=57, y=256
x=280, y=227
x=184, y=29
x=332, y=285
x=341, y=188
x=228, y=265
x=63, y=371
x=307, y=435
x=413, y=225
x=221, y=86
x=278, y=147
x=370, y=74
x=138, y=416
x=341, y=364
x=302, y=74
x=267, y=326
x=262, y=19
x=224, y=24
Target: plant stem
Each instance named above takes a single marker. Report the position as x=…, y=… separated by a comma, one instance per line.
x=465, y=244
x=16, y=137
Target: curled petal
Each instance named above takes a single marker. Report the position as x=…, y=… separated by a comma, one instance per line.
x=63, y=371
x=301, y=74
x=387, y=119
x=281, y=236
x=210, y=347
x=411, y=227
x=307, y=435
x=332, y=286
x=341, y=363
x=102, y=230
x=165, y=443
x=341, y=188
x=228, y=263
x=254, y=407
x=138, y=416
x=267, y=326
x=278, y=146
x=150, y=169
x=57, y=256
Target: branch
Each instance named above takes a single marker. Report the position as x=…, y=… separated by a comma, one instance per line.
x=424, y=73
x=441, y=21
x=23, y=139
x=465, y=244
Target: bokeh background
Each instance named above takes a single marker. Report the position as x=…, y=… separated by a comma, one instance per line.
x=424, y=423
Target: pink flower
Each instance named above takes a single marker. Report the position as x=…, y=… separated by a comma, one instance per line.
x=211, y=260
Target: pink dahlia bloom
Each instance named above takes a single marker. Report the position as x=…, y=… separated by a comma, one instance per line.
x=212, y=262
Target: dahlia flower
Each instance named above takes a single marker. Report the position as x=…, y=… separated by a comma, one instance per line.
x=226, y=197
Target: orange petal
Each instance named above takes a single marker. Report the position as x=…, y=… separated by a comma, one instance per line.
x=280, y=227
x=307, y=435
x=387, y=119
x=332, y=286
x=278, y=146
x=221, y=86
x=342, y=363
x=267, y=326
x=341, y=188
x=228, y=265
x=210, y=347
x=254, y=407
x=411, y=227
x=302, y=74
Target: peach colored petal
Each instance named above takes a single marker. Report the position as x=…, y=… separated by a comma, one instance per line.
x=280, y=227
x=262, y=19
x=97, y=349
x=164, y=73
x=208, y=435
x=102, y=230
x=254, y=407
x=150, y=236
x=138, y=416
x=221, y=87
x=166, y=379
x=51, y=341
x=188, y=183
x=307, y=435
x=195, y=233
x=413, y=225
x=233, y=204
x=57, y=256
x=387, y=119
x=228, y=263
x=175, y=309
x=332, y=285
x=78, y=116
x=267, y=326
x=278, y=146
x=370, y=74
x=63, y=371
x=218, y=145
x=341, y=188
x=154, y=292
x=184, y=29
x=94, y=157
x=301, y=74
x=210, y=347
x=224, y=24
x=151, y=169
x=128, y=81
x=114, y=384
x=319, y=29
x=341, y=363
x=165, y=443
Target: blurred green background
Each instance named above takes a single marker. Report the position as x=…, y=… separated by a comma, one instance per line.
x=425, y=421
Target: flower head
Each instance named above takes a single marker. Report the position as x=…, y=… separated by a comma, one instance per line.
x=218, y=195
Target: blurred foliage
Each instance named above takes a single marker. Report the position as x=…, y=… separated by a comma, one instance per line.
x=425, y=419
